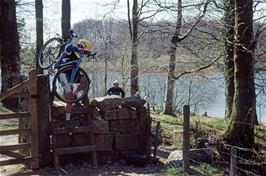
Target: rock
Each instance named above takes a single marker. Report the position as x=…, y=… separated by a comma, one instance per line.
x=107, y=102
x=125, y=142
x=137, y=160
x=104, y=142
x=123, y=126
x=100, y=126
x=175, y=163
x=201, y=142
x=175, y=159
x=202, y=155
x=133, y=102
x=176, y=155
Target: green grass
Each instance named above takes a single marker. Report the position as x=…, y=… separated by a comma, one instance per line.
x=195, y=121
x=3, y=109
x=205, y=122
x=202, y=169
x=172, y=129
x=208, y=170
x=167, y=120
x=9, y=123
x=260, y=131
x=170, y=171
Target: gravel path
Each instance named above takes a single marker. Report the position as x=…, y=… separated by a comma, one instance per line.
x=85, y=170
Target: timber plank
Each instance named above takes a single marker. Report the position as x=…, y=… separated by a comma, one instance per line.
x=15, y=147
x=71, y=150
x=33, y=101
x=16, y=161
x=59, y=104
x=14, y=131
x=81, y=129
x=13, y=115
x=13, y=154
x=20, y=94
x=16, y=89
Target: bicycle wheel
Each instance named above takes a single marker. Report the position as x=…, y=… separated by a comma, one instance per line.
x=49, y=52
x=78, y=88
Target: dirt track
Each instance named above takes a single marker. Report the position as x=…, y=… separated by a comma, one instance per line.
x=85, y=170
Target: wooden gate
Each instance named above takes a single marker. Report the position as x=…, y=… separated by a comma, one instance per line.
x=27, y=90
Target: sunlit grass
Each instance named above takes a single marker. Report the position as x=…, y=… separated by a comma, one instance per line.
x=3, y=109
x=170, y=171
x=202, y=169
x=9, y=123
x=208, y=170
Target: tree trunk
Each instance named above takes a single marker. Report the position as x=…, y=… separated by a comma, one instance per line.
x=240, y=131
x=229, y=55
x=105, y=68
x=39, y=31
x=66, y=16
x=134, y=55
x=9, y=43
x=168, y=107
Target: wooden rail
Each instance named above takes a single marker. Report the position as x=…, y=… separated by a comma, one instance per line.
x=14, y=131
x=14, y=115
x=26, y=89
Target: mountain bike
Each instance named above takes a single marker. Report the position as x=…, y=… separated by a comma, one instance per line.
x=52, y=49
x=76, y=77
x=55, y=55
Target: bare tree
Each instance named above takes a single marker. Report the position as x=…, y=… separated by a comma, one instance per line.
x=9, y=45
x=39, y=31
x=66, y=16
x=137, y=11
x=133, y=28
x=240, y=131
x=177, y=38
x=228, y=55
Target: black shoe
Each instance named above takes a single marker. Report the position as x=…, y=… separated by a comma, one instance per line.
x=77, y=104
x=86, y=101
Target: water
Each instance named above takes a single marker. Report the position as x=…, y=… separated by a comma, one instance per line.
x=206, y=93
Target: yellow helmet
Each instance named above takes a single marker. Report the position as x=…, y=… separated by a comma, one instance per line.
x=116, y=82
x=85, y=43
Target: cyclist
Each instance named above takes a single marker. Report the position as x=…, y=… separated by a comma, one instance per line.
x=116, y=90
x=73, y=52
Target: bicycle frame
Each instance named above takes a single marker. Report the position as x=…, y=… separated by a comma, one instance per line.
x=76, y=64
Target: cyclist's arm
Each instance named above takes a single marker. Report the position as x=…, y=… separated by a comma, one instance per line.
x=71, y=48
x=84, y=50
x=109, y=91
x=123, y=93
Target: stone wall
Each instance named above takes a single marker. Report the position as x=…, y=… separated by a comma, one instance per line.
x=121, y=128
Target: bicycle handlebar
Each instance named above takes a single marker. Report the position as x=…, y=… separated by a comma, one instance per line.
x=92, y=55
x=72, y=33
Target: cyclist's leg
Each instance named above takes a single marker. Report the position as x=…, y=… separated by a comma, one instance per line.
x=64, y=82
x=68, y=93
x=83, y=83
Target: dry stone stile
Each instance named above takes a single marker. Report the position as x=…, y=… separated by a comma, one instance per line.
x=121, y=128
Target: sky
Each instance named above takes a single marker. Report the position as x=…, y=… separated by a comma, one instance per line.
x=80, y=10
x=84, y=9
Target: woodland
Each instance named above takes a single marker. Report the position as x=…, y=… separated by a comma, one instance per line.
x=202, y=38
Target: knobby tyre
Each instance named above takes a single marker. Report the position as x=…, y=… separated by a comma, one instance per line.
x=60, y=91
x=49, y=52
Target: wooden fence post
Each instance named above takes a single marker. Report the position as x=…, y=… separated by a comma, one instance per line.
x=156, y=139
x=34, y=152
x=43, y=85
x=186, y=158
x=233, y=162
